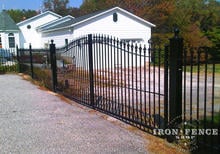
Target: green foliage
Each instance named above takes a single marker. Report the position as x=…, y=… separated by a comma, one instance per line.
x=157, y=56
x=43, y=76
x=214, y=36
x=193, y=17
x=198, y=20
x=210, y=122
x=2, y=70
x=6, y=69
x=202, y=68
x=58, y=6
x=19, y=15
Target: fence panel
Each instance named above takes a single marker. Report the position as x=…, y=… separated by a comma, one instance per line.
x=8, y=60
x=36, y=63
x=201, y=108
x=124, y=83
x=73, y=70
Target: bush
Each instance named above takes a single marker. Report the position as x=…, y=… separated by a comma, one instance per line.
x=43, y=76
x=5, y=69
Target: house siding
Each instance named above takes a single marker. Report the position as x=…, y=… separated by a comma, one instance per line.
x=125, y=28
x=58, y=37
x=5, y=41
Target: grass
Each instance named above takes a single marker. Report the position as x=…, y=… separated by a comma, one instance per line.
x=217, y=69
x=202, y=68
x=6, y=69
x=212, y=140
x=43, y=76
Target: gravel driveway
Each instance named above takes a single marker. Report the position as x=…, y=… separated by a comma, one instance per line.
x=33, y=121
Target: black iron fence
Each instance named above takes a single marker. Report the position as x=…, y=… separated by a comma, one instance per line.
x=8, y=60
x=200, y=96
x=36, y=63
x=158, y=89
x=114, y=77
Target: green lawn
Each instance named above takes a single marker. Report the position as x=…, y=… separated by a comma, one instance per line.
x=202, y=68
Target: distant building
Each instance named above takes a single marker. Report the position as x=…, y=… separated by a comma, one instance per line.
x=116, y=22
x=9, y=32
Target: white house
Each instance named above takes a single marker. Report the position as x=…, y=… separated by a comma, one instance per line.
x=9, y=32
x=117, y=22
x=29, y=34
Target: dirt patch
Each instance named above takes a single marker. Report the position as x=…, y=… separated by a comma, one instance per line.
x=156, y=145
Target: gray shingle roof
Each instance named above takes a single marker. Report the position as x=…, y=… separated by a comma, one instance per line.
x=71, y=22
x=64, y=24
x=7, y=23
x=88, y=16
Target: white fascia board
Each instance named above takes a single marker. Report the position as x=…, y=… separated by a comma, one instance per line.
x=138, y=18
x=56, y=29
x=122, y=10
x=54, y=23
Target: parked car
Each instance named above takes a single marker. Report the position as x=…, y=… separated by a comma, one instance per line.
x=5, y=54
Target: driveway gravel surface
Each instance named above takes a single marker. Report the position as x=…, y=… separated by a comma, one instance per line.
x=35, y=121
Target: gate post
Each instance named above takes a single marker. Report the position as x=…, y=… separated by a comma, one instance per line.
x=18, y=59
x=166, y=87
x=53, y=65
x=91, y=77
x=175, y=78
x=31, y=61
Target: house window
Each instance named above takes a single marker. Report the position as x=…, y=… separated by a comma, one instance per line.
x=66, y=42
x=0, y=41
x=115, y=17
x=28, y=26
x=11, y=40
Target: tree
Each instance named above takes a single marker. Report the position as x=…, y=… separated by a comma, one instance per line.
x=57, y=6
x=19, y=15
x=75, y=12
x=134, y=6
x=214, y=36
x=159, y=12
x=194, y=18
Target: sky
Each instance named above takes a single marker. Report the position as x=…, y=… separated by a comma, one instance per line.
x=30, y=4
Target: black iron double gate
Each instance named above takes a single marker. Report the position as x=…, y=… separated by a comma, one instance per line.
x=115, y=77
x=154, y=88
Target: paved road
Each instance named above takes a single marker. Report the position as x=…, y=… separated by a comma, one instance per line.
x=33, y=121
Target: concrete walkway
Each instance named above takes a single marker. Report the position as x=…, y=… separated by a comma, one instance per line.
x=34, y=121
